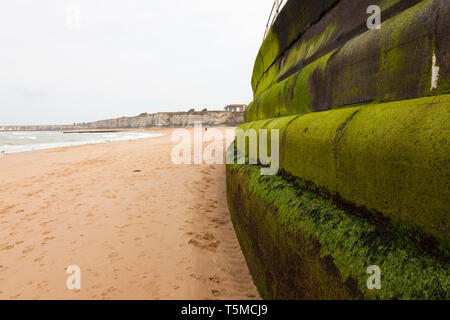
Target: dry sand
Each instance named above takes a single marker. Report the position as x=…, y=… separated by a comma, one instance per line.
x=138, y=226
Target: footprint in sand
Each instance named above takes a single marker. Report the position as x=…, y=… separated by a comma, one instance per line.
x=214, y=279
x=46, y=240
x=219, y=222
x=7, y=247
x=110, y=291
x=43, y=224
x=28, y=249
x=109, y=194
x=216, y=293
x=206, y=241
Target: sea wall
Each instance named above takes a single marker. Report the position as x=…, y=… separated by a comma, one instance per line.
x=339, y=62
x=163, y=119
x=364, y=123
x=299, y=245
x=390, y=158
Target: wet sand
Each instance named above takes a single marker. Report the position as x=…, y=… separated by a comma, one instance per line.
x=137, y=225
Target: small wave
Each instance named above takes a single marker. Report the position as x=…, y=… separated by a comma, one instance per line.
x=47, y=140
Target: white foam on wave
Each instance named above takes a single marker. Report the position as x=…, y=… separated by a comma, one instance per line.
x=72, y=139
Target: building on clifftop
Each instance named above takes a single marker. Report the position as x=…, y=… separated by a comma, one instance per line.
x=236, y=107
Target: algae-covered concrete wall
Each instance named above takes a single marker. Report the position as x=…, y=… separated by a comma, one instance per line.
x=337, y=61
x=299, y=245
x=390, y=158
x=364, y=123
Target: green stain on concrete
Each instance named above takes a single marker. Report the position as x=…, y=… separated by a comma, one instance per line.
x=306, y=49
x=266, y=56
x=390, y=64
x=290, y=96
x=392, y=158
x=403, y=64
x=295, y=18
x=300, y=53
x=387, y=162
x=299, y=245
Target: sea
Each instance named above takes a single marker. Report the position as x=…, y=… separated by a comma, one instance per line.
x=19, y=141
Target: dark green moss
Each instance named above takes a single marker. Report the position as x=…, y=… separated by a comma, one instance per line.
x=301, y=246
x=390, y=157
x=324, y=71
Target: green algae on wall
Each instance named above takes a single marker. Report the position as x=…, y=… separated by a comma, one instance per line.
x=306, y=49
x=397, y=156
x=365, y=183
x=442, y=47
x=290, y=45
x=292, y=95
x=294, y=19
x=299, y=245
x=404, y=66
x=266, y=56
x=393, y=63
x=390, y=158
x=279, y=124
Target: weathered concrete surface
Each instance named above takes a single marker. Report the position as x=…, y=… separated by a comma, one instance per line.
x=363, y=120
x=443, y=46
x=339, y=62
x=299, y=245
x=390, y=158
x=163, y=119
x=307, y=30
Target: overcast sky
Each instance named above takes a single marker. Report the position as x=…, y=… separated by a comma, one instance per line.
x=124, y=57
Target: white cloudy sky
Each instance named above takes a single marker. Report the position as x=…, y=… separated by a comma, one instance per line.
x=127, y=57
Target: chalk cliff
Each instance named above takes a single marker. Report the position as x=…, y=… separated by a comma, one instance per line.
x=171, y=119
x=162, y=119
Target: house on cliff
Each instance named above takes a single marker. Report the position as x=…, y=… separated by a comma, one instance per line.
x=236, y=107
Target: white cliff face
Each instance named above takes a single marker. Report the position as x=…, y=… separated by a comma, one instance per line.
x=167, y=119
x=213, y=118
x=41, y=128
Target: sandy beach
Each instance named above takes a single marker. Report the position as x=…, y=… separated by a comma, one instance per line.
x=137, y=225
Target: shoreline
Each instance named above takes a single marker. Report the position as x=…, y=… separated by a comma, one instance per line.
x=144, y=120
x=130, y=129
x=64, y=144
x=137, y=225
